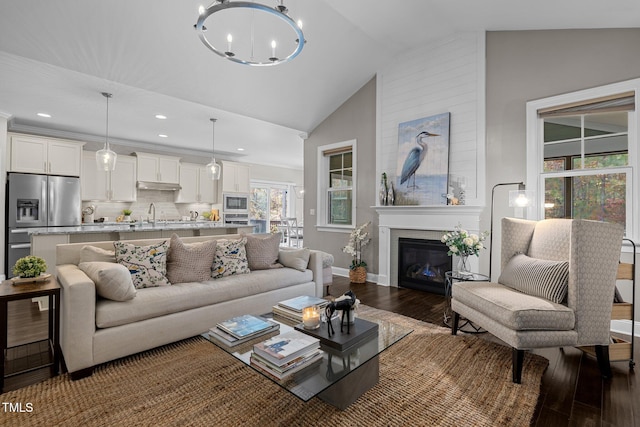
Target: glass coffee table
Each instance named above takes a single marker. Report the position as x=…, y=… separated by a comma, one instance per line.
x=341, y=376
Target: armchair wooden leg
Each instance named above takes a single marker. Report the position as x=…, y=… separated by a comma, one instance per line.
x=518, y=357
x=602, y=354
x=454, y=323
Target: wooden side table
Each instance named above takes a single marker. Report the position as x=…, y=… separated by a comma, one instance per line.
x=47, y=352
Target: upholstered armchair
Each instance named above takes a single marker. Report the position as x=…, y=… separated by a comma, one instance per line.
x=555, y=288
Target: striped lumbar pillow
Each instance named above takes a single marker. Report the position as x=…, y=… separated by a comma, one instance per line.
x=537, y=277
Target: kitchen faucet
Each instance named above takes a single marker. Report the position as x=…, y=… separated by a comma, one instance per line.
x=152, y=207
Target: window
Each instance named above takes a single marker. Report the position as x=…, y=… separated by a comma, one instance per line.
x=269, y=203
x=336, y=185
x=586, y=155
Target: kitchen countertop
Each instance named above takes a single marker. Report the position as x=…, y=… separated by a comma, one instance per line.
x=130, y=227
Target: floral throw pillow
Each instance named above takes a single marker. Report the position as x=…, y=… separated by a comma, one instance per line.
x=231, y=258
x=147, y=264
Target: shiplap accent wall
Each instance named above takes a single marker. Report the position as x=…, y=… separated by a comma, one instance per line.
x=444, y=76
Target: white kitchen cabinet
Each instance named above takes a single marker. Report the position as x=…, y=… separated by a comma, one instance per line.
x=158, y=168
x=34, y=154
x=196, y=185
x=119, y=185
x=235, y=178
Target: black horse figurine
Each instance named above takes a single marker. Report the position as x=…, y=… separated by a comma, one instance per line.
x=344, y=303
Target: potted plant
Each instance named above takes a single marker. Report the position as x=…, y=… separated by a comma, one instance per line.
x=207, y=215
x=127, y=214
x=29, y=266
x=358, y=239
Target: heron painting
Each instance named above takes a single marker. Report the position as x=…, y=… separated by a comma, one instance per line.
x=423, y=161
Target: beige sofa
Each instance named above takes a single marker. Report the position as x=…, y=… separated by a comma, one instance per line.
x=95, y=330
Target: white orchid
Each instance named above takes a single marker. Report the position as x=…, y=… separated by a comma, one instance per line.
x=357, y=240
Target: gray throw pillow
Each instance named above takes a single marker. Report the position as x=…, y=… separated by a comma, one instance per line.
x=189, y=262
x=113, y=281
x=93, y=253
x=295, y=258
x=262, y=251
x=537, y=277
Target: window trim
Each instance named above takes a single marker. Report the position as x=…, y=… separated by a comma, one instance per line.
x=322, y=223
x=535, y=149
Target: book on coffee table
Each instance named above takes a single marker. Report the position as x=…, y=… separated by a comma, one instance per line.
x=285, y=347
x=298, y=303
x=280, y=372
x=229, y=340
x=245, y=325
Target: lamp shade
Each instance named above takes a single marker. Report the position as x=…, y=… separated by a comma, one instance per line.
x=521, y=198
x=106, y=159
x=213, y=169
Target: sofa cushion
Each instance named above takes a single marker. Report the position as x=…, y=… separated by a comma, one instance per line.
x=147, y=264
x=537, y=277
x=231, y=258
x=514, y=309
x=262, y=251
x=92, y=253
x=295, y=258
x=160, y=301
x=189, y=262
x=113, y=281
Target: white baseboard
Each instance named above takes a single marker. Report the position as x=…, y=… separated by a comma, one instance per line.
x=624, y=327
x=344, y=272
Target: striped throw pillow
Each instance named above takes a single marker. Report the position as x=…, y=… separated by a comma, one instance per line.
x=537, y=277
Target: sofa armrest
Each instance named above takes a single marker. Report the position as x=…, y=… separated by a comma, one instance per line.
x=78, y=316
x=315, y=265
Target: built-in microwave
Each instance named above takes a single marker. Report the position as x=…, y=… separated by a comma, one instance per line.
x=235, y=203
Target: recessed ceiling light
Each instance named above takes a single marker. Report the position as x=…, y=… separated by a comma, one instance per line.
x=162, y=135
x=48, y=116
x=240, y=149
x=161, y=116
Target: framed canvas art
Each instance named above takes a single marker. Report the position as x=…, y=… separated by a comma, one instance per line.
x=423, y=161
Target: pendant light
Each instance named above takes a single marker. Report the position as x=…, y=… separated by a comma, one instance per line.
x=213, y=169
x=105, y=158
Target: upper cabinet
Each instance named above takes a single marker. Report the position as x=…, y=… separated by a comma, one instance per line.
x=235, y=178
x=119, y=185
x=196, y=185
x=158, y=168
x=34, y=154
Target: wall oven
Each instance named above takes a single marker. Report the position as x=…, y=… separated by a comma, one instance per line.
x=234, y=203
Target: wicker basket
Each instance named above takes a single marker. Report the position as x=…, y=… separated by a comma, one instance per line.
x=359, y=275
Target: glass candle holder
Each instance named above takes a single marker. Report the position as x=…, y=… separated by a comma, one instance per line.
x=311, y=317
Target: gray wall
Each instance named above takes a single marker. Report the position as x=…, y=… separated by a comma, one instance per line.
x=528, y=65
x=355, y=119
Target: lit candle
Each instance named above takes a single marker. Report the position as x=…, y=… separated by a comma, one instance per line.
x=273, y=48
x=229, y=40
x=311, y=317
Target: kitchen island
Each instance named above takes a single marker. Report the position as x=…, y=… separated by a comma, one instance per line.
x=45, y=239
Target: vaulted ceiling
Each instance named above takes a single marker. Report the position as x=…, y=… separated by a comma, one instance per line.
x=57, y=56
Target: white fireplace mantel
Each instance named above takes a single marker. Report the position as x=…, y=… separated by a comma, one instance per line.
x=438, y=218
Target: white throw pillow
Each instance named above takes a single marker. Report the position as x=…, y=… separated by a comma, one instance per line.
x=147, y=264
x=537, y=277
x=113, y=281
x=231, y=258
x=295, y=258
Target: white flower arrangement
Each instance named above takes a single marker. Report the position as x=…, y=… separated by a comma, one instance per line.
x=461, y=242
x=358, y=239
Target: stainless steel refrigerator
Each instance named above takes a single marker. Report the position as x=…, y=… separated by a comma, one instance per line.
x=35, y=201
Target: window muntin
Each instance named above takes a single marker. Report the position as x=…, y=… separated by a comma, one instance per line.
x=336, y=185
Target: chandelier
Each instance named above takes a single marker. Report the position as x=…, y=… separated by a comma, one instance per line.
x=106, y=158
x=250, y=33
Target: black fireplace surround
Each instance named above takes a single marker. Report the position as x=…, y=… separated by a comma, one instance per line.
x=422, y=264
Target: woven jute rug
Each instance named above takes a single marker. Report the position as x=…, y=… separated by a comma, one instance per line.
x=429, y=378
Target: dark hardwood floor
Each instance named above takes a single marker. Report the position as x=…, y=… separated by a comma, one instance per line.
x=573, y=393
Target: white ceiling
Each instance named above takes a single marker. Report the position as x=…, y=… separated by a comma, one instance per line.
x=57, y=56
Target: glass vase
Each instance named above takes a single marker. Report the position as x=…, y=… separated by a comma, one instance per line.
x=464, y=269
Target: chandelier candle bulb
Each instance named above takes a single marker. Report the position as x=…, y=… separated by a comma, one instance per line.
x=229, y=40
x=311, y=317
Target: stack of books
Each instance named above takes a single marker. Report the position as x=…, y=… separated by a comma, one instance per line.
x=292, y=308
x=286, y=354
x=242, y=329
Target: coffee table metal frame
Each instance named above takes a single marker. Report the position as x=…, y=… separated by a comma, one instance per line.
x=340, y=377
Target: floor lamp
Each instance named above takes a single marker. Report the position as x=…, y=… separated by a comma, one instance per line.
x=520, y=198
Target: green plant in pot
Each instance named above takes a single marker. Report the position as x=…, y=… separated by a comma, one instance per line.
x=29, y=266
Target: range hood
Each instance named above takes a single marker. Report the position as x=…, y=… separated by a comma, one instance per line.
x=165, y=186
